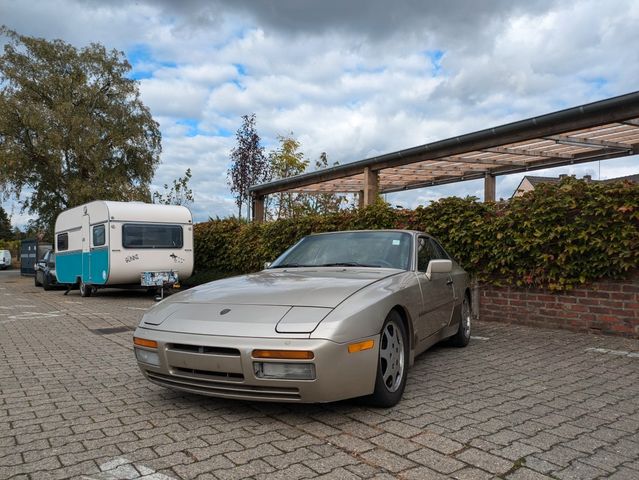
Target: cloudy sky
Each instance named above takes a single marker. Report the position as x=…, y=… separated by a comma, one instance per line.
x=354, y=78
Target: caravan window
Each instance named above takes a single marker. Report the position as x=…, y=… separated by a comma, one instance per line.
x=63, y=242
x=151, y=236
x=99, y=237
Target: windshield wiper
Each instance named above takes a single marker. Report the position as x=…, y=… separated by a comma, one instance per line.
x=348, y=264
x=291, y=265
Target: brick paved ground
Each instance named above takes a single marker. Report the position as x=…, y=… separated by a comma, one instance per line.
x=518, y=403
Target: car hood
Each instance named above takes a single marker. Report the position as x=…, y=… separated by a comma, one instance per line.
x=320, y=287
x=262, y=304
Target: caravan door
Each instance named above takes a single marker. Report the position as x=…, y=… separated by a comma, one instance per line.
x=86, y=248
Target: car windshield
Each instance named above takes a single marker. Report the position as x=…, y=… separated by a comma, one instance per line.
x=349, y=249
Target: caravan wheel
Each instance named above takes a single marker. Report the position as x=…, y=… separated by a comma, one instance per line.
x=85, y=290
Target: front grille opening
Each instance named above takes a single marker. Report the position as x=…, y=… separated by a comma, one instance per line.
x=182, y=347
x=208, y=373
x=111, y=330
x=224, y=389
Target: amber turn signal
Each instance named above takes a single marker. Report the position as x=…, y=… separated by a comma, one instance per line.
x=143, y=342
x=359, y=346
x=286, y=354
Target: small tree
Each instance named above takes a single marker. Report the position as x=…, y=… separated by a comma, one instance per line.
x=6, y=233
x=249, y=165
x=180, y=193
x=287, y=161
x=72, y=127
x=323, y=203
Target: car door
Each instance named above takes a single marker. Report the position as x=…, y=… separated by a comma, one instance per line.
x=437, y=291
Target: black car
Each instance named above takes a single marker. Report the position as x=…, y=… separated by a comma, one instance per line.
x=45, y=271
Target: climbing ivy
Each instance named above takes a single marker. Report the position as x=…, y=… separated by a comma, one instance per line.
x=555, y=237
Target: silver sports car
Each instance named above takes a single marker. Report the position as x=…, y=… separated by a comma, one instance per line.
x=338, y=315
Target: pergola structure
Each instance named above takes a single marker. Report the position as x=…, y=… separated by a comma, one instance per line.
x=595, y=131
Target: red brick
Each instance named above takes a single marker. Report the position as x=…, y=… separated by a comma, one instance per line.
x=595, y=294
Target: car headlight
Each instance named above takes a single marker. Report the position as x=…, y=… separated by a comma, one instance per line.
x=286, y=371
x=147, y=356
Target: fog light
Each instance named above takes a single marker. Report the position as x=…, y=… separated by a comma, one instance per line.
x=146, y=356
x=287, y=371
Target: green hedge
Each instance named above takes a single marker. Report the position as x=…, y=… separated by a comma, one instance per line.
x=555, y=237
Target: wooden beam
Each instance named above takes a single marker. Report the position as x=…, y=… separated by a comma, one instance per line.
x=490, y=184
x=371, y=186
x=588, y=142
x=527, y=153
x=258, y=208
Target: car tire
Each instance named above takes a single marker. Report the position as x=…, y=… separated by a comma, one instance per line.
x=85, y=290
x=392, y=363
x=45, y=283
x=462, y=337
x=35, y=280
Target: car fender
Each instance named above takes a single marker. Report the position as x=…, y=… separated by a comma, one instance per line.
x=363, y=314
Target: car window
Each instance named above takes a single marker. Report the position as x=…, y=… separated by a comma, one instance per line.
x=355, y=249
x=99, y=236
x=425, y=253
x=439, y=251
x=63, y=242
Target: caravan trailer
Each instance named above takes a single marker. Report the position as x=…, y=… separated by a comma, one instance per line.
x=120, y=244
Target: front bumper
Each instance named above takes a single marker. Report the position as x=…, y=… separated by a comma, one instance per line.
x=222, y=366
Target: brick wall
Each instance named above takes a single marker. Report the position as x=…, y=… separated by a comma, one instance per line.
x=606, y=306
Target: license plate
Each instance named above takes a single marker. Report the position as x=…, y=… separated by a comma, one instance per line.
x=158, y=279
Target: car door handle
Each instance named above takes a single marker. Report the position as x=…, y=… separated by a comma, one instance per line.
x=449, y=282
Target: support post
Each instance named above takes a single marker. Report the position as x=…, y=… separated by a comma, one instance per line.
x=489, y=188
x=258, y=208
x=371, y=186
x=360, y=199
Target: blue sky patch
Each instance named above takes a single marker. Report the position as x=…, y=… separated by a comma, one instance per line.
x=435, y=57
x=192, y=124
x=143, y=63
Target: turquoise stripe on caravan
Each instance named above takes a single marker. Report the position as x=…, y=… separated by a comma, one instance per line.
x=92, y=267
x=68, y=266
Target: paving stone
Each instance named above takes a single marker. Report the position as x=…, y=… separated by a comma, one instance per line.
x=528, y=394
x=435, y=460
x=580, y=471
x=352, y=444
x=527, y=474
x=256, y=467
x=471, y=473
x=325, y=465
x=423, y=473
x=485, y=461
x=395, y=444
x=213, y=464
x=438, y=442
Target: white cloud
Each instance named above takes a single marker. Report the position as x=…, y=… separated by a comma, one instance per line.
x=353, y=79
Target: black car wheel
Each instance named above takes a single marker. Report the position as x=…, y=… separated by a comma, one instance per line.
x=45, y=282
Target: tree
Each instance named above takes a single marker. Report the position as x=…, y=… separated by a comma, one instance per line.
x=249, y=165
x=72, y=126
x=287, y=161
x=179, y=193
x=323, y=203
x=6, y=233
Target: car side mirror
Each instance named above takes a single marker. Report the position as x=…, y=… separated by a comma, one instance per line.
x=438, y=266
x=267, y=265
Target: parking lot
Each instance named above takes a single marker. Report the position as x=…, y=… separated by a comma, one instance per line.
x=517, y=403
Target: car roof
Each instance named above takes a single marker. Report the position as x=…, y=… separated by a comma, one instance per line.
x=413, y=232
